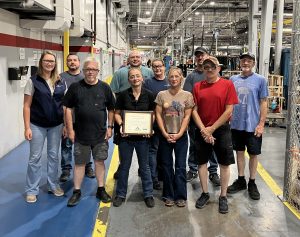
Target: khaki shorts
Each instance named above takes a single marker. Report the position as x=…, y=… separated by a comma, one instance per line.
x=82, y=153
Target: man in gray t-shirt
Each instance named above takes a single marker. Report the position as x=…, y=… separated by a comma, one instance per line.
x=71, y=76
x=197, y=75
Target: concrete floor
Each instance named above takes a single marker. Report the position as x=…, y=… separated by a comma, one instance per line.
x=266, y=217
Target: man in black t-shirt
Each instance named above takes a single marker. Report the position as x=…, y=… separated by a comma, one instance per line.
x=93, y=104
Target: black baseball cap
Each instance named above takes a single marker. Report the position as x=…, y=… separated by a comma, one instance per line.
x=249, y=55
x=200, y=50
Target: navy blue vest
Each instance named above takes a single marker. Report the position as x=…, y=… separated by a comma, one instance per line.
x=46, y=110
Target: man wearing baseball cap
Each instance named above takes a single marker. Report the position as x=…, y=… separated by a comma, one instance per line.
x=197, y=75
x=247, y=124
x=214, y=98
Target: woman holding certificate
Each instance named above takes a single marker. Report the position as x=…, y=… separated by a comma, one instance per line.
x=134, y=114
x=173, y=112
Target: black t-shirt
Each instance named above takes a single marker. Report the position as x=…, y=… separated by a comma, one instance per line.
x=90, y=104
x=126, y=101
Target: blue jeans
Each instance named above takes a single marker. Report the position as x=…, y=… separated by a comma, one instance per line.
x=126, y=148
x=213, y=164
x=154, y=142
x=34, y=169
x=174, y=183
x=67, y=155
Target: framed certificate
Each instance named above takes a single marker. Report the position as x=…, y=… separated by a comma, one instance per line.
x=137, y=122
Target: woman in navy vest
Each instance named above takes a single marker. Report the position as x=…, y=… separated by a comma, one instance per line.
x=43, y=118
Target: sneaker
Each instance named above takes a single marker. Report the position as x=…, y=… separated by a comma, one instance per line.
x=169, y=203
x=149, y=201
x=74, y=200
x=223, y=205
x=202, y=200
x=180, y=203
x=89, y=172
x=238, y=185
x=31, y=198
x=103, y=196
x=215, y=179
x=156, y=185
x=65, y=175
x=191, y=176
x=57, y=192
x=253, y=191
x=118, y=201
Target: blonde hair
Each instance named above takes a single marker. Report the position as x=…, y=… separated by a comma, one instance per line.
x=172, y=69
x=54, y=74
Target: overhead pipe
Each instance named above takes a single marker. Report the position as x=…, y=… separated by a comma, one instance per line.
x=181, y=16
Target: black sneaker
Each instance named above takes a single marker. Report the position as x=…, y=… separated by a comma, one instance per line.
x=149, y=202
x=202, y=200
x=103, y=196
x=238, y=185
x=156, y=185
x=191, y=176
x=118, y=201
x=215, y=179
x=89, y=172
x=65, y=175
x=253, y=191
x=223, y=205
x=74, y=200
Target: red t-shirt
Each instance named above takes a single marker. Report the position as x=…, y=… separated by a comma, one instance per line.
x=212, y=98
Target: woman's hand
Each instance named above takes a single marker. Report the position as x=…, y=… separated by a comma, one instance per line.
x=175, y=137
x=28, y=134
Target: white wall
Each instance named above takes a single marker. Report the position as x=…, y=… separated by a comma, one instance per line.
x=11, y=92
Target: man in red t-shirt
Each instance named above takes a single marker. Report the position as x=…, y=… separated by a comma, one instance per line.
x=214, y=98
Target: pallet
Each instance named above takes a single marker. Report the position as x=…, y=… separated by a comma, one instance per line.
x=274, y=119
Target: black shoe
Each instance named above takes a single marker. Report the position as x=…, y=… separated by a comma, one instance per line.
x=238, y=185
x=253, y=191
x=191, y=176
x=103, y=196
x=118, y=201
x=156, y=185
x=223, y=205
x=149, y=202
x=202, y=200
x=215, y=179
x=65, y=175
x=89, y=172
x=74, y=200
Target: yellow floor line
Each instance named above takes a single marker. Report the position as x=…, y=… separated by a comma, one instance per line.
x=273, y=186
x=101, y=224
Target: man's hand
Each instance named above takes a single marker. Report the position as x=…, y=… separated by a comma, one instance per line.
x=71, y=136
x=108, y=134
x=259, y=130
x=64, y=132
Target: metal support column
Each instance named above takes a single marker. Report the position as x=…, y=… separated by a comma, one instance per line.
x=278, y=41
x=265, y=41
x=252, y=33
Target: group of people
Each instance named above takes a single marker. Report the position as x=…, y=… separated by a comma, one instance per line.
x=208, y=115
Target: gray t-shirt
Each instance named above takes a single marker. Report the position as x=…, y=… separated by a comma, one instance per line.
x=192, y=79
x=70, y=79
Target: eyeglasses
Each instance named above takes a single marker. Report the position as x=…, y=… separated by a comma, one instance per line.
x=209, y=68
x=157, y=66
x=48, y=61
x=90, y=70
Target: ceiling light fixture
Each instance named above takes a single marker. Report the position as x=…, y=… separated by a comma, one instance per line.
x=149, y=2
x=212, y=3
x=190, y=18
x=197, y=13
x=147, y=12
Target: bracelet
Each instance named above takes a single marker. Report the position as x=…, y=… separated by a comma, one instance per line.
x=110, y=126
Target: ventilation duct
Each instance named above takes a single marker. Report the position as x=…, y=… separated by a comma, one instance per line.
x=78, y=18
x=61, y=22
